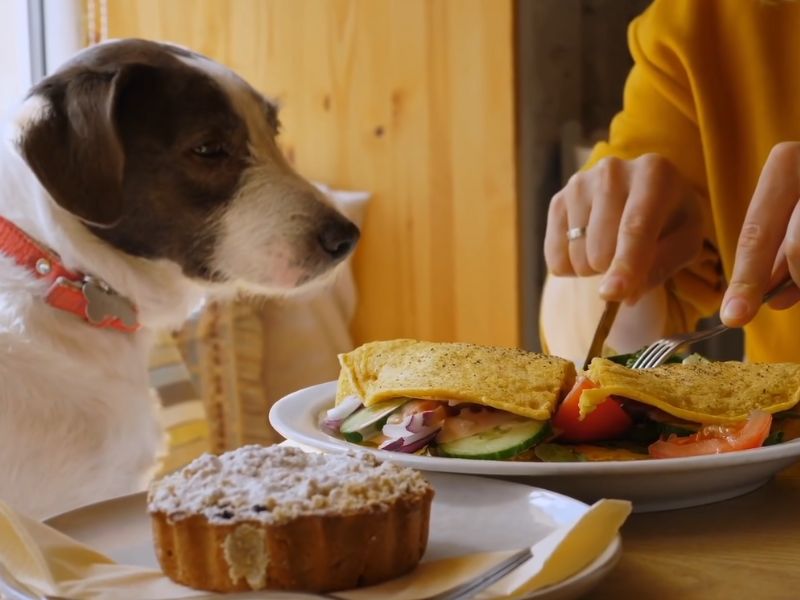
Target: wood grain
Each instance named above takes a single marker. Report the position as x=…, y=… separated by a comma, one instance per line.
x=410, y=99
x=747, y=547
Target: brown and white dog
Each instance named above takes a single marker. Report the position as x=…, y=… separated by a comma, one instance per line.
x=154, y=171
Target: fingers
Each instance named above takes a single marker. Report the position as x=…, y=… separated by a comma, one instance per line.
x=593, y=200
x=610, y=185
x=556, y=253
x=627, y=208
x=789, y=260
x=579, y=206
x=791, y=243
x=761, y=235
x=673, y=252
x=786, y=299
x=780, y=270
x=642, y=220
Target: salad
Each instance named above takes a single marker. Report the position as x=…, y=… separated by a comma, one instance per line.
x=636, y=420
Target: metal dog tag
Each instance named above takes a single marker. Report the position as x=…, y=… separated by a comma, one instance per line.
x=102, y=303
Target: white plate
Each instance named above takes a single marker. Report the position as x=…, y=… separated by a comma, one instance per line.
x=650, y=484
x=511, y=516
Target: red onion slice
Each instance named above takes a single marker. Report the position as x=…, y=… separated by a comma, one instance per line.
x=331, y=427
x=410, y=444
x=335, y=417
x=403, y=437
x=398, y=430
x=416, y=423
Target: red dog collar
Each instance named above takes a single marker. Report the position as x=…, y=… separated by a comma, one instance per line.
x=87, y=297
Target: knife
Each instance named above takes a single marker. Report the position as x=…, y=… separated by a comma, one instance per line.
x=601, y=333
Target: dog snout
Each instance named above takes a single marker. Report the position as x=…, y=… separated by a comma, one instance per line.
x=338, y=237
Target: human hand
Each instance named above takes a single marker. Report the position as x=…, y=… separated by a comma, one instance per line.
x=769, y=241
x=642, y=224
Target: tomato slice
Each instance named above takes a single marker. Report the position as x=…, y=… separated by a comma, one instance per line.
x=607, y=421
x=714, y=439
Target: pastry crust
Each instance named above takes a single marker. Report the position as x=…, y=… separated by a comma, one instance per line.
x=356, y=546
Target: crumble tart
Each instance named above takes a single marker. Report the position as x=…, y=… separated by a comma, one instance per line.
x=279, y=518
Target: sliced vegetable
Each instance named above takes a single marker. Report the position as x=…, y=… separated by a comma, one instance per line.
x=367, y=422
x=776, y=437
x=623, y=359
x=787, y=423
x=503, y=441
x=597, y=453
x=426, y=422
x=627, y=360
x=644, y=433
x=715, y=439
x=607, y=421
x=555, y=452
x=414, y=432
x=471, y=420
x=335, y=417
x=558, y=453
x=412, y=443
x=414, y=406
x=681, y=430
x=694, y=359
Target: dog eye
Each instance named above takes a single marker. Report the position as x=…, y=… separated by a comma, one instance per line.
x=210, y=150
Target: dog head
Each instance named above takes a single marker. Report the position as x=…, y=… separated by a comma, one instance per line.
x=165, y=154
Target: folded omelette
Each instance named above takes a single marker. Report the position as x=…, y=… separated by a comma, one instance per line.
x=520, y=382
x=703, y=392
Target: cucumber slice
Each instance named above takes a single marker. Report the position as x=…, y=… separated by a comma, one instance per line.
x=678, y=429
x=367, y=422
x=503, y=441
x=558, y=453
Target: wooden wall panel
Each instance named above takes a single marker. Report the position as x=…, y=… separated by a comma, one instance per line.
x=410, y=99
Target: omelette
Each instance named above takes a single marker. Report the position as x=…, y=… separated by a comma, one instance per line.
x=468, y=401
x=703, y=392
x=523, y=383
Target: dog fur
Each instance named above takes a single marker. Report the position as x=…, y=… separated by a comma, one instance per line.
x=156, y=170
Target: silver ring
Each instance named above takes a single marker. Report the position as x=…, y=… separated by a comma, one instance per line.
x=575, y=233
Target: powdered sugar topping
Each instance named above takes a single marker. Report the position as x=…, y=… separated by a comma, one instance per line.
x=274, y=484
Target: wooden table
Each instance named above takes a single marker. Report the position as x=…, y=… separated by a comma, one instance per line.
x=748, y=548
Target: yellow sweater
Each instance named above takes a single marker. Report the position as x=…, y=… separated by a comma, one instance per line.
x=715, y=85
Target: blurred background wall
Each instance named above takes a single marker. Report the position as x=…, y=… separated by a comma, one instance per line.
x=411, y=100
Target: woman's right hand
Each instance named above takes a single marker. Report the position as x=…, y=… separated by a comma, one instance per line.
x=642, y=221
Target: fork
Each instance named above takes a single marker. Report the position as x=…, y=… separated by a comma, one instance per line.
x=469, y=589
x=659, y=351
x=13, y=589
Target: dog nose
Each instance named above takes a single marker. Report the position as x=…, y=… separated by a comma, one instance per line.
x=338, y=238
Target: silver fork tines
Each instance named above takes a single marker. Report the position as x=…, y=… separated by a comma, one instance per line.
x=659, y=351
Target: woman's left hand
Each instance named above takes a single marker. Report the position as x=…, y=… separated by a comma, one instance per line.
x=769, y=241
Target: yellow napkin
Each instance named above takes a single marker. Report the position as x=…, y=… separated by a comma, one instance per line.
x=48, y=562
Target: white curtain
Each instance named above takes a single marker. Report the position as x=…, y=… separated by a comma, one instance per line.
x=36, y=36
x=15, y=64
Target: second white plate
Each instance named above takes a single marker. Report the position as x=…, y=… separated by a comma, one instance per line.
x=510, y=515
x=650, y=484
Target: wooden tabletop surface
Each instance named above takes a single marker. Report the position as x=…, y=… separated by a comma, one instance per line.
x=748, y=548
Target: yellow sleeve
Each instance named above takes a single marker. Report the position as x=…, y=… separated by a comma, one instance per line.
x=659, y=117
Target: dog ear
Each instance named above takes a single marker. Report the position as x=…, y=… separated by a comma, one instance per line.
x=74, y=147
